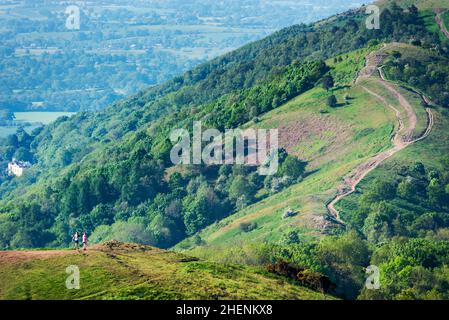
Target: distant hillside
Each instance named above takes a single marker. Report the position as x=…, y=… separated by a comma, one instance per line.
x=126, y=271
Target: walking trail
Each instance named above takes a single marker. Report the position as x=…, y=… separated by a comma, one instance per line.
x=402, y=137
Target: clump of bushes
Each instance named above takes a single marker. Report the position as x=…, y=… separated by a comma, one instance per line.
x=307, y=278
x=248, y=226
x=289, y=212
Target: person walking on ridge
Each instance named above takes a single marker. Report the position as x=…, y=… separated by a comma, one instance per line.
x=84, y=241
x=76, y=240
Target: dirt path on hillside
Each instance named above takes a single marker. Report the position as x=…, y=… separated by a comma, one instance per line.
x=402, y=137
x=440, y=22
x=27, y=255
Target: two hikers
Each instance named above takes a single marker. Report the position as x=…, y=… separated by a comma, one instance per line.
x=76, y=240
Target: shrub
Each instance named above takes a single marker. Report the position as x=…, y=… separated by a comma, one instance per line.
x=248, y=226
x=332, y=101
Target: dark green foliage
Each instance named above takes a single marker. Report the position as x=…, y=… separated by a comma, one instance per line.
x=6, y=115
x=414, y=205
x=112, y=166
x=292, y=167
x=241, y=106
x=412, y=269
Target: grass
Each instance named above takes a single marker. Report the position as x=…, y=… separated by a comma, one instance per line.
x=139, y=273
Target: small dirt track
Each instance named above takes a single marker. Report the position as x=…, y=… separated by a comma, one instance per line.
x=403, y=136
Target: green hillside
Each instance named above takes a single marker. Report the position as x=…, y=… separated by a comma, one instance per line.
x=421, y=4
x=126, y=271
x=334, y=143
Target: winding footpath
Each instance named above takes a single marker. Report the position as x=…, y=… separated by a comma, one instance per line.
x=440, y=22
x=402, y=137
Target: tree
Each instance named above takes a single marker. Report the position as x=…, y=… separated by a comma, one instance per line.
x=343, y=258
x=419, y=169
x=328, y=82
x=384, y=189
x=332, y=101
x=376, y=227
x=292, y=167
x=436, y=193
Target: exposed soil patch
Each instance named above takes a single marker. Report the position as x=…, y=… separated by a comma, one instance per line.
x=21, y=256
x=321, y=128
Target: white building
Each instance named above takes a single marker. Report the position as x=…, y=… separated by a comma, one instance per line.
x=16, y=168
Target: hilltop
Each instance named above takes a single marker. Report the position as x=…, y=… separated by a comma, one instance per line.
x=117, y=270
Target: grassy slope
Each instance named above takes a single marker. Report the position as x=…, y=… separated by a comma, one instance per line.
x=137, y=272
x=334, y=143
